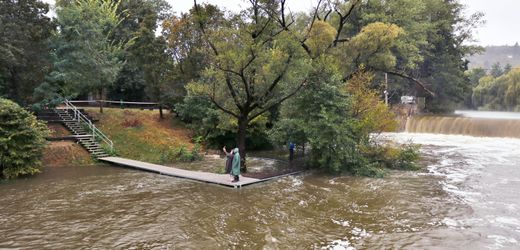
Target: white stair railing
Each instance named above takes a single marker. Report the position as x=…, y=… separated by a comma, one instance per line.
x=81, y=118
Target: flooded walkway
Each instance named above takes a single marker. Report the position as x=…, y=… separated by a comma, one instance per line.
x=220, y=179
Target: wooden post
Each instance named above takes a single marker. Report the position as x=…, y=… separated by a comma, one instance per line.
x=160, y=111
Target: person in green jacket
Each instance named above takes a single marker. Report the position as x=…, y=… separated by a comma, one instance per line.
x=235, y=166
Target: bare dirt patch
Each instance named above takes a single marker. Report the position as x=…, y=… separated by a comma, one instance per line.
x=65, y=153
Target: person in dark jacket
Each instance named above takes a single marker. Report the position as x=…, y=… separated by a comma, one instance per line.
x=291, y=151
x=229, y=161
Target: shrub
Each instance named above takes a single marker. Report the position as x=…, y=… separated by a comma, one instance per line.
x=182, y=154
x=22, y=140
x=403, y=158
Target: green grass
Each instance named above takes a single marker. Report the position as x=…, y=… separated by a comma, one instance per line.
x=141, y=135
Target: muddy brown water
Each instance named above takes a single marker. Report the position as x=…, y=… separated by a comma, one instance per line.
x=465, y=198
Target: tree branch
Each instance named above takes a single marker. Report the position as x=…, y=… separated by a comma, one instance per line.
x=417, y=81
x=274, y=83
x=201, y=26
x=222, y=108
x=343, y=20
x=242, y=74
x=292, y=93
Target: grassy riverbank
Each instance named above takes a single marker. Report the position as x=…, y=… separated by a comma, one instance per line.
x=137, y=134
x=142, y=135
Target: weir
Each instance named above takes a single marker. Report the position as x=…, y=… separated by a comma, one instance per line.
x=484, y=127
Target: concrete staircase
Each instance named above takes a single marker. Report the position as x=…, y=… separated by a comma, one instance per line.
x=85, y=133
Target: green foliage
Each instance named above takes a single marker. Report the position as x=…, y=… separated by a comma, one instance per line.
x=373, y=46
x=110, y=151
x=429, y=51
x=185, y=43
x=336, y=121
x=86, y=55
x=22, y=139
x=217, y=128
x=496, y=70
x=403, y=157
x=501, y=93
x=145, y=58
x=24, y=51
x=182, y=154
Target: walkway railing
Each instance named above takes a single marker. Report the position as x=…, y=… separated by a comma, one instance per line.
x=121, y=104
x=81, y=118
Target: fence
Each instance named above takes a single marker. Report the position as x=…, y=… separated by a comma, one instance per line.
x=119, y=104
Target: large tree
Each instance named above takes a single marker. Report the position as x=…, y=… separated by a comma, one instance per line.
x=24, y=50
x=431, y=50
x=184, y=42
x=265, y=55
x=144, y=75
x=254, y=65
x=86, y=56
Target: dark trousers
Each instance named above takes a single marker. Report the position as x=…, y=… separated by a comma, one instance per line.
x=291, y=155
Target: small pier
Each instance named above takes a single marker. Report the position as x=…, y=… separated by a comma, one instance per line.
x=220, y=179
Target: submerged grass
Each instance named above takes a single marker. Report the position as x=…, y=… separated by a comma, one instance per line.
x=142, y=135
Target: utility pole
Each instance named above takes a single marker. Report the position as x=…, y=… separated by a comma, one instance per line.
x=386, y=89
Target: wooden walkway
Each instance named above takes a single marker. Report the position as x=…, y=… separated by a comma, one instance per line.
x=220, y=179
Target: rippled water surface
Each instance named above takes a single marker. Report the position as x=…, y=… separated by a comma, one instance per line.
x=466, y=198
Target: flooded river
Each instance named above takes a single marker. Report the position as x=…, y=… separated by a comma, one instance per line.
x=466, y=198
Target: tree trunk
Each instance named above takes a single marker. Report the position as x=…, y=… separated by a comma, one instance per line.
x=160, y=112
x=100, y=100
x=241, y=141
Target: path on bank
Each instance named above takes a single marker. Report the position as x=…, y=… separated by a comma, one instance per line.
x=220, y=179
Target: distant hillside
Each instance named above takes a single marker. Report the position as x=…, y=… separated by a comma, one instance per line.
x=493, y=54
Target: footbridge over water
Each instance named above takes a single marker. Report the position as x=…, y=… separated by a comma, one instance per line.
x=219, y=179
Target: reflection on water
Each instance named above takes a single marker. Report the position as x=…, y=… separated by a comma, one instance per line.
x=464, y=199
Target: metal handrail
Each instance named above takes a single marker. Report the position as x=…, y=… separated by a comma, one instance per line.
x=80, y=117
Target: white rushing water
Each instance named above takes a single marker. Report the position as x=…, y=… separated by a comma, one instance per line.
x=489, y=114
x=483, y=173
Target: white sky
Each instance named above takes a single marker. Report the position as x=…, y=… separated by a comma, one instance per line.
x=502, y=16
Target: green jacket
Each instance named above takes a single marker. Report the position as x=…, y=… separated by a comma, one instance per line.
x=235, y=168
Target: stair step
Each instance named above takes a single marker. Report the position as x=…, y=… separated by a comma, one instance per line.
x=87, y=139
x=89, y=143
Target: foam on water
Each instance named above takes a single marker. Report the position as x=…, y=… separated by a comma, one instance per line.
x=342, y=244
x=481, y=172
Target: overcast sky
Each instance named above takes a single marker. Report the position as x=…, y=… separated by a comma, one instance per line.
x=502, y=16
